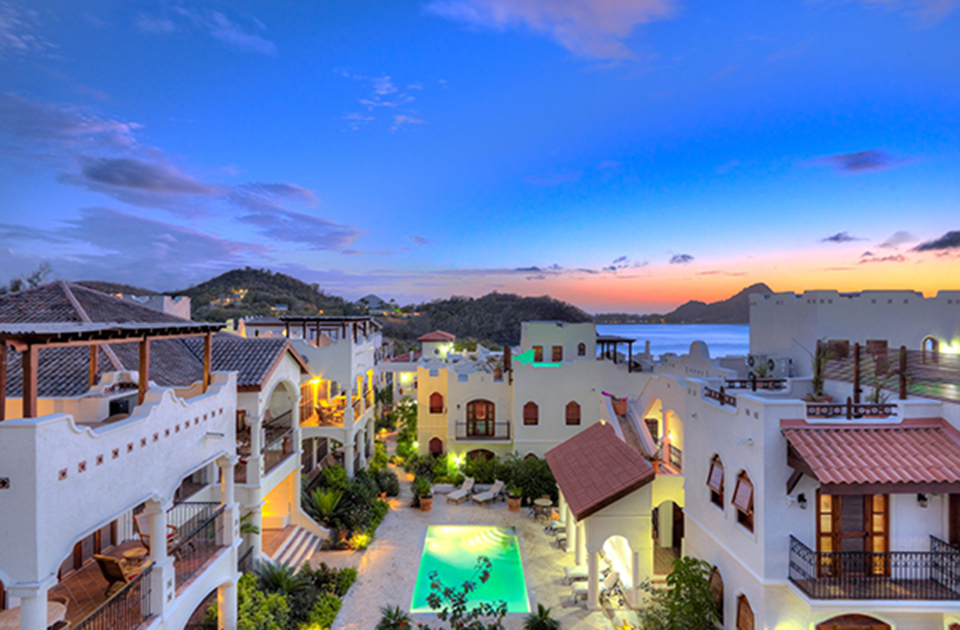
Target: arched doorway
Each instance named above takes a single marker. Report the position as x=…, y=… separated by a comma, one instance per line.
x=930, y=350
x=481, y=418
x=668, y=526
x=480, y=453
x=436, y=447
x=853, y=622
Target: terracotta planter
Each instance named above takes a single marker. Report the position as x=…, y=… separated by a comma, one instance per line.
x=383, y=496
x=656, y=466
x=620, y=407
x=513, y=503
x=426, y=504
x=497, y=373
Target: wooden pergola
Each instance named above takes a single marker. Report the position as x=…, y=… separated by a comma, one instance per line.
x=608, y=343
x=330, y=323
x=28, y=339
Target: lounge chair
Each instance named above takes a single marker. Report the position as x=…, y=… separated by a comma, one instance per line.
x=460, y=494
x=141, y=525
x=609, y=585
x=114, y=573
x=489, y=495
x=580, y=572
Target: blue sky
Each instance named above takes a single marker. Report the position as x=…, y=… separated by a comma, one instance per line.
x=620, y=154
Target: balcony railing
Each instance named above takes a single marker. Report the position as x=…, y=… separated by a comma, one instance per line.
x=483, y=431
x=755, y=384
x=902, y=575
x=676, y=458
x=127, y=609
x=277, y=451
x=720, y=396
x=851, y=410
x=198, y=545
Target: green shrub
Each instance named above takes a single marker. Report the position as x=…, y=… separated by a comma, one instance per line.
x=323, y=505
x=256, y=610
x=345, y=579
x=379, y=460
x=324, y=611
x=388, y=482
x=393, y=619
x=333, y=478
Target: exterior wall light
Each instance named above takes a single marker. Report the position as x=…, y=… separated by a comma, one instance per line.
x=922, y=500
x=802, y=501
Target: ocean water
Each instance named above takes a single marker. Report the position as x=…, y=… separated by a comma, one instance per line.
x=721, y=339
x=452, y=551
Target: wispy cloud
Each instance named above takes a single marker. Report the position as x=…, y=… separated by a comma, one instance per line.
x=897, y=239
x=383, y=95
x=949, y=241
x=401, y=120
x=18, y=26
x=419, y=240
x=681, y=259
x=924, y=12
x=596, y=29
x=862, y=161
x=840, y=237
x=868, y=257
x=244, y=35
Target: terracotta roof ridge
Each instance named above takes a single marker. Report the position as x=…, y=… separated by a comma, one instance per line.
x=107, y=350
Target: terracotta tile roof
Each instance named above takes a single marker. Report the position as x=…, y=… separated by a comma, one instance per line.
x=63, y=372
x=915, y=451
x=595, y=468
x=406, y=357
x=437, y=335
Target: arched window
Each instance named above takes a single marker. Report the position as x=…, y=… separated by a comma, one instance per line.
x=530, y=456
x=930, y=350
x=538, y=354
x=481, y=418
x=573, y=413
x=436, y=402
x=531, y=413
x=436, y=446
x=859, y=622
x=745, y=619
x=581, y=349
x=480, y=453
x=743, y=500
x=716, y=590
x=715, y=481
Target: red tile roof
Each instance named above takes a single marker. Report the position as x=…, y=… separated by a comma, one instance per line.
x=406, y=357
x=437, y=335
x=915, y=451
x=595, y=468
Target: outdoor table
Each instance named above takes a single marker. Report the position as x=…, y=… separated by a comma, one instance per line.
x=10, y=619
x=542, y=506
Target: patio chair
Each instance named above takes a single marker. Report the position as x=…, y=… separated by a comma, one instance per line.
x=63, y=624
x=561, y=539
x=580, y=572
x=141, y=525
x=114, y=573
x=491, y=494
x=460, y=494
x=609, y=584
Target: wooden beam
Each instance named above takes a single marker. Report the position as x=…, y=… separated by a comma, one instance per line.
x=94, y=364
x=144, y=372
x=207, y=359
x=3, y=381
x=29, y=359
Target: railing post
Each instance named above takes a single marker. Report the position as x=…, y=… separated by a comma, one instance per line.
x=903, y=372
x=856, y=373
x=849, y=408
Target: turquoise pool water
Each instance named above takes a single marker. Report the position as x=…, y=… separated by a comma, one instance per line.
x=452, y=551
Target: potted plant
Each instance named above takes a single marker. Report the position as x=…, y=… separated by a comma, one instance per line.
x=655, y=457
x=540, y=620
x=514, y=495
x=620, y=406
x=498, y=369
x=820, y=358
x=424, y=492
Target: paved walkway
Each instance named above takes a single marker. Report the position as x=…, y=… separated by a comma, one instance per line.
x=388, y=568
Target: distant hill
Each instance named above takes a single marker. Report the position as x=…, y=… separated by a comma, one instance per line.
x=252, y=292
x=113, y=288
x=734, y=310
x=495, y=317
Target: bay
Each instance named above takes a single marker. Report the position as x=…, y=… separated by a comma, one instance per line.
x=721, y=339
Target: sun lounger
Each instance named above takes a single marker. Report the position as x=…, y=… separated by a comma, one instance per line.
x=489, y=495
x=609, y=585
x=579, y=572
x=461, y=493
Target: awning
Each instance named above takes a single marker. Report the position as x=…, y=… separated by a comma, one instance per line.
x=916, y=455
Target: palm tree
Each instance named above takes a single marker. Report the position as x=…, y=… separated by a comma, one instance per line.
x=541, y=620
x=281, y=578
x=393, y=619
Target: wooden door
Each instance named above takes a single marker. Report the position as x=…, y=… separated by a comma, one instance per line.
x=677, y=530
x=853, y=530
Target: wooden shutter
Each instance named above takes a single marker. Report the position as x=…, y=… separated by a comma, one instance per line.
x=716, y=590
x=436, y=402
x=743, y=501
x=573, y=413
x=557, y=352
x=715, y=478
x=538, y=354
x=531, y=413
x=745, y=619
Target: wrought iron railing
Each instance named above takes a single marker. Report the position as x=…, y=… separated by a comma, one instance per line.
x=483, y=431
x=197, y=546
x=851, y=410
x=754, y=384
x=277, y=451
x=277, y=425
x=905, y=575
x=720, y=396
x=676, y=458
x=126, y=610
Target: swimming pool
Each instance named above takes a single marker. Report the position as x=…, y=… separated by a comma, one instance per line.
x=452, y=551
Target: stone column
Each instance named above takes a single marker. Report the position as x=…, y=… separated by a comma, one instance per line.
x=348, y=454
x=313, y=453
x=227, y=605
x=255, y=461
x=562, y=508
x=372, y=435
x=581, y=548
x=593, y=587
x=228, y=529
x=572, y=532
x=33, y=605
x=635, y=577
x=162, y=577
x=362, y=446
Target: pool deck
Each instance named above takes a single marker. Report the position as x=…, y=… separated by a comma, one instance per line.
x=388, y=568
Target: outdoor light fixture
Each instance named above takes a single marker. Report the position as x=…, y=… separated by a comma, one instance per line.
x=802, y=501
x=922, y=500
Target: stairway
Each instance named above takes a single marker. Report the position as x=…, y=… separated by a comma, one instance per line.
x=299, y=546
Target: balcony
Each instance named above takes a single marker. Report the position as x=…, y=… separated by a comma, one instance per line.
x=851, y=410
x=482, y=431
x=278, y=450
x=721, y=396
x=328, y=413
x=894, y=575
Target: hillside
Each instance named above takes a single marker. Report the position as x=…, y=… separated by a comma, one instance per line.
x=252, y=292
x=495, y=317
x=734, y=310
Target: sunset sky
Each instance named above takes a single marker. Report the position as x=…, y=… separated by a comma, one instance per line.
x=623, y=155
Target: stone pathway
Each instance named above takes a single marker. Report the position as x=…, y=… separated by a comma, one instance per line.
x=388, y=568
